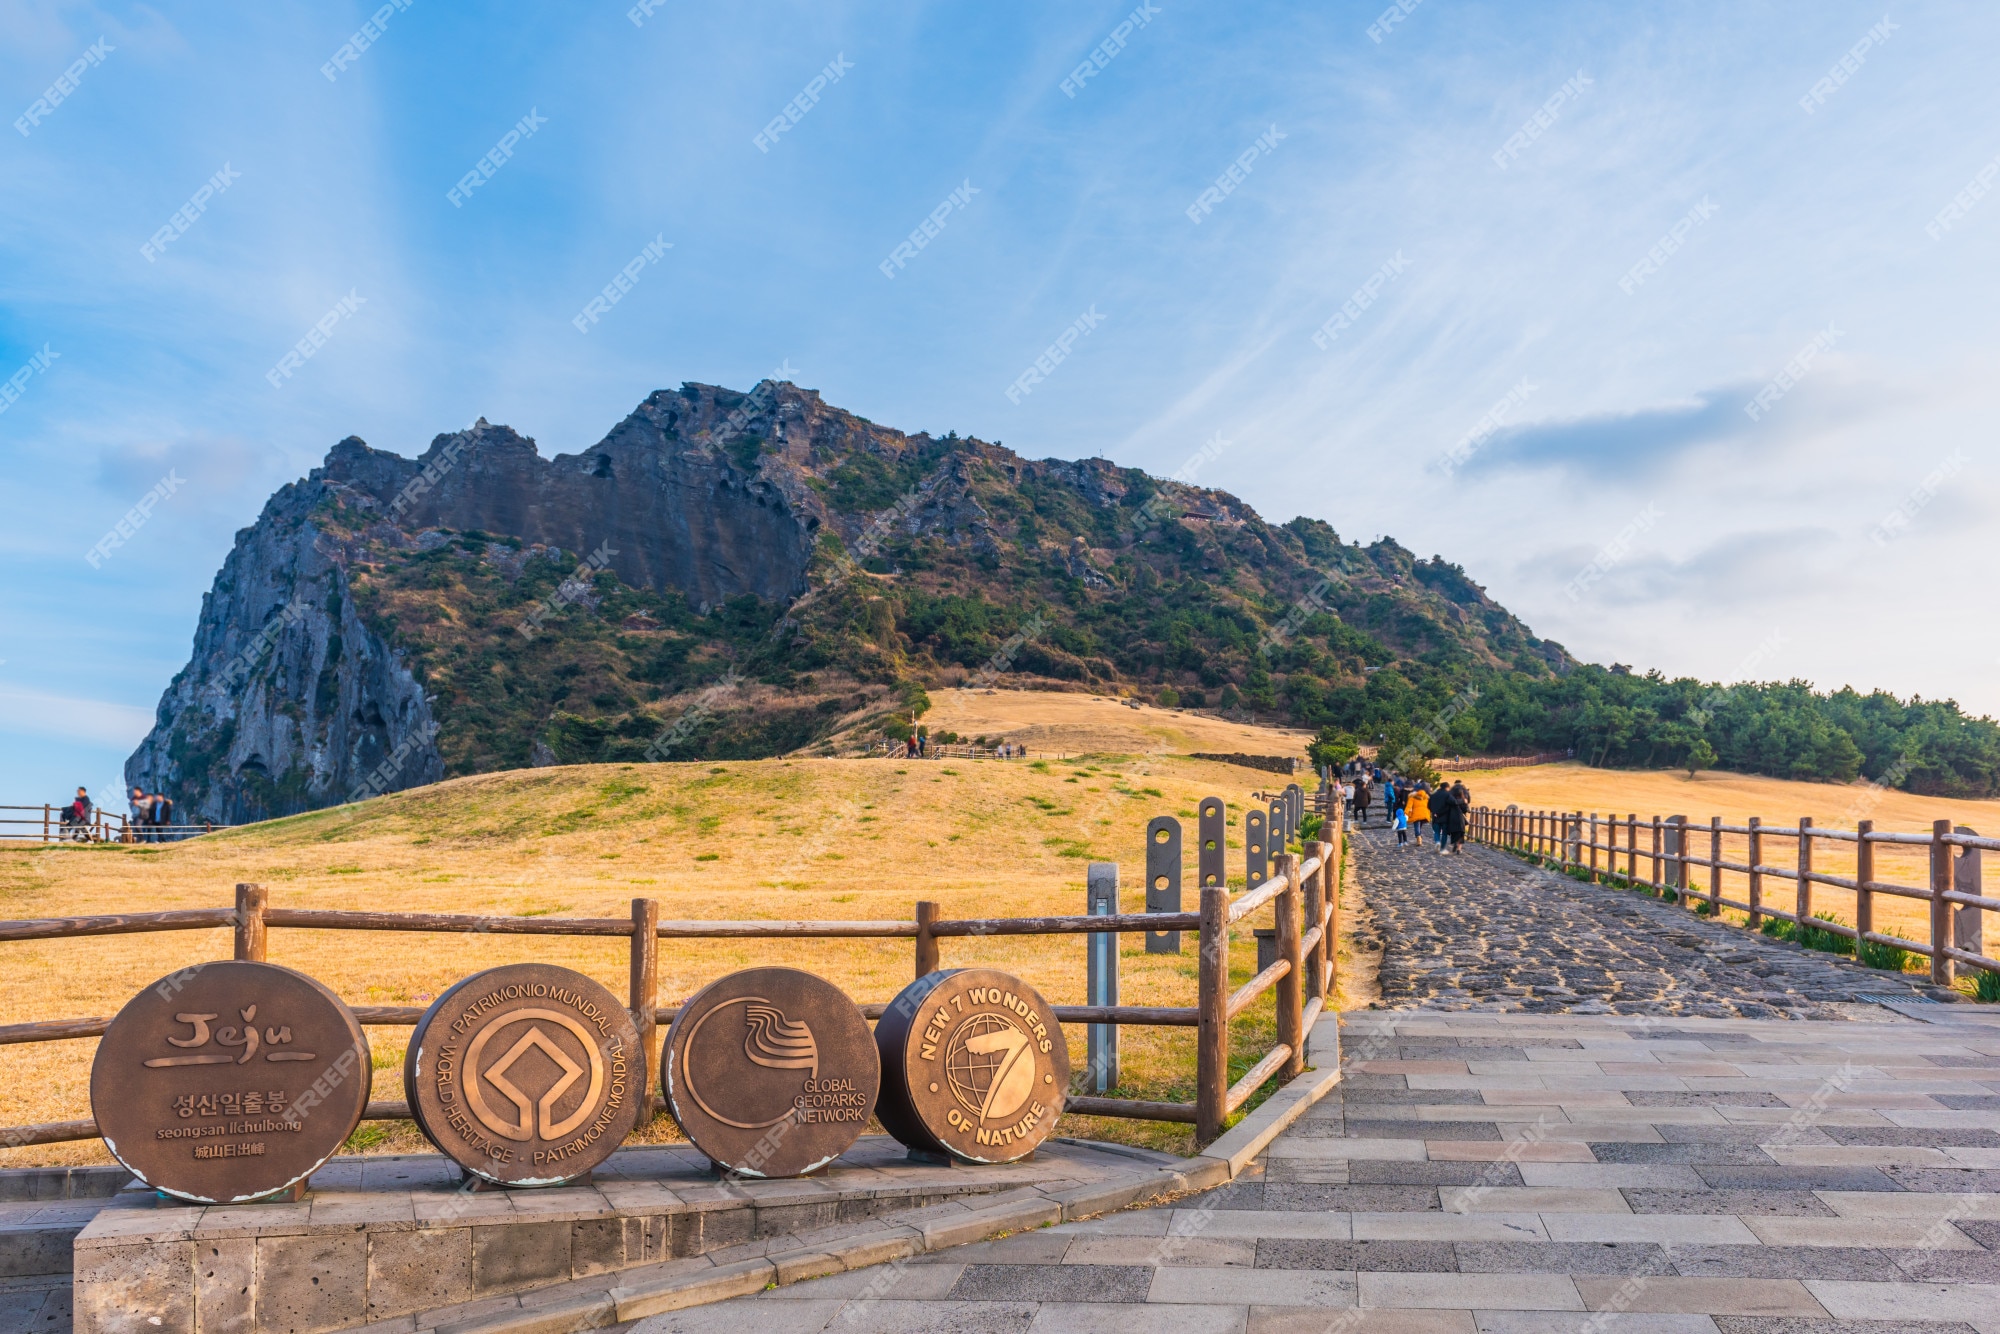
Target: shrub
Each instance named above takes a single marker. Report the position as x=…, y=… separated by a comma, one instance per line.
x=1830, y=942
x=1889, y=958
x=1170, y=698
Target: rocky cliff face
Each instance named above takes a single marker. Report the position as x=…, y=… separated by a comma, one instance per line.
x=729, y=575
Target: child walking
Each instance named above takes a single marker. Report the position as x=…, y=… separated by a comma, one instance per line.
x=1402, y=829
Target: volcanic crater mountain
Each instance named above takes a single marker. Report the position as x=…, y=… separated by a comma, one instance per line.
x=737, y=575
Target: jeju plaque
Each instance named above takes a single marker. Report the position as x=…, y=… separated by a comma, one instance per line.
x=229, y=1081
x=527, y=1075
x=973, y=1065
x=771, y=1072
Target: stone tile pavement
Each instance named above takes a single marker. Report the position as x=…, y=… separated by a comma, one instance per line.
x=1530, y=1173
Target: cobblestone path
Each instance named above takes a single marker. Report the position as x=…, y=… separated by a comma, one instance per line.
x=1484, y=930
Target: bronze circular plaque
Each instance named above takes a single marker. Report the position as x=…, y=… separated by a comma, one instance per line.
x=973, y=1064
x=771, y=1072
x=229, y=1081
x=527, y=1075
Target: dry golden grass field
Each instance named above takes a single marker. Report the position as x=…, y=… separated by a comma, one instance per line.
x=800, y=838
x=778, y=839
x=1737, y=797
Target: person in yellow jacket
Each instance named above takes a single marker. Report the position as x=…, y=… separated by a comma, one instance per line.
x=1418, y=806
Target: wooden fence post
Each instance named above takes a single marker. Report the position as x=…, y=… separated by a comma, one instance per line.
x=1755, y=897
x=1291, y=989
x=927, y=946
x=251, y=933
x=1941, y=966
x=1211, y=1076
x=1593, y=848
x=45, y=822
x=1715, y=866
x=1323, y=911
x=1864, y=875
x=1657, y=871
x=1632, y=847
x=643, y=999
x=1805, y=862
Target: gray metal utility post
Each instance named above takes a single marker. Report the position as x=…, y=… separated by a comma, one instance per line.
x=1101, y=1042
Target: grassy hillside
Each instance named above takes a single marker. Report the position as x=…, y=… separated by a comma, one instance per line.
x=803, y=838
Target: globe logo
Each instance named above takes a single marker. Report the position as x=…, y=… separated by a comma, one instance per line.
x=989, y=1066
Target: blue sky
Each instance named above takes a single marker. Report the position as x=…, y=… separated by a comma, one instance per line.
x=1614, y=492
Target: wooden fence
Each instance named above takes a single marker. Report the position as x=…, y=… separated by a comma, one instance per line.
x=44, y=824
x=1303, y=893
x=1467, y=763
x=1951, y=895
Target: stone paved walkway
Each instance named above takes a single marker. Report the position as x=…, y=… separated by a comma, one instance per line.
x=1485, y=930
x=1637, y=1159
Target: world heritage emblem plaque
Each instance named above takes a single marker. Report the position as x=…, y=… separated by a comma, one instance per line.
x=771, y=1072
x=525, y=1075
x=973, y=1064
x=230, y=1081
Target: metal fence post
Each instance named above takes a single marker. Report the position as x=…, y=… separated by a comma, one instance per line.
x=1163, y=879
x=1101, y=976
x=643, y=998
x=1212, y=838
x=1256, y=849
x=1967, y=924
x=251, y=933
x=1211, y=1090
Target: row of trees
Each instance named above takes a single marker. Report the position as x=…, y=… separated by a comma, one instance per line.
x=1616, y=719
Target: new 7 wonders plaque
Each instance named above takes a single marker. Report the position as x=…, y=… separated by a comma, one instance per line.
x=771, y=1072
x=973, y=1064
x=229, y=1081
x=526, y=1075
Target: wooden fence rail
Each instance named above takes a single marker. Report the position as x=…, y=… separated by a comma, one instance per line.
x=1572, y=841
x=44, y=824
x=1303, y=894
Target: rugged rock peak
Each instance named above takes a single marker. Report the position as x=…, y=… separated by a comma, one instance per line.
x=388, y=621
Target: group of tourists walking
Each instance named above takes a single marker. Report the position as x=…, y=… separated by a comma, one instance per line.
x=1412, y=807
